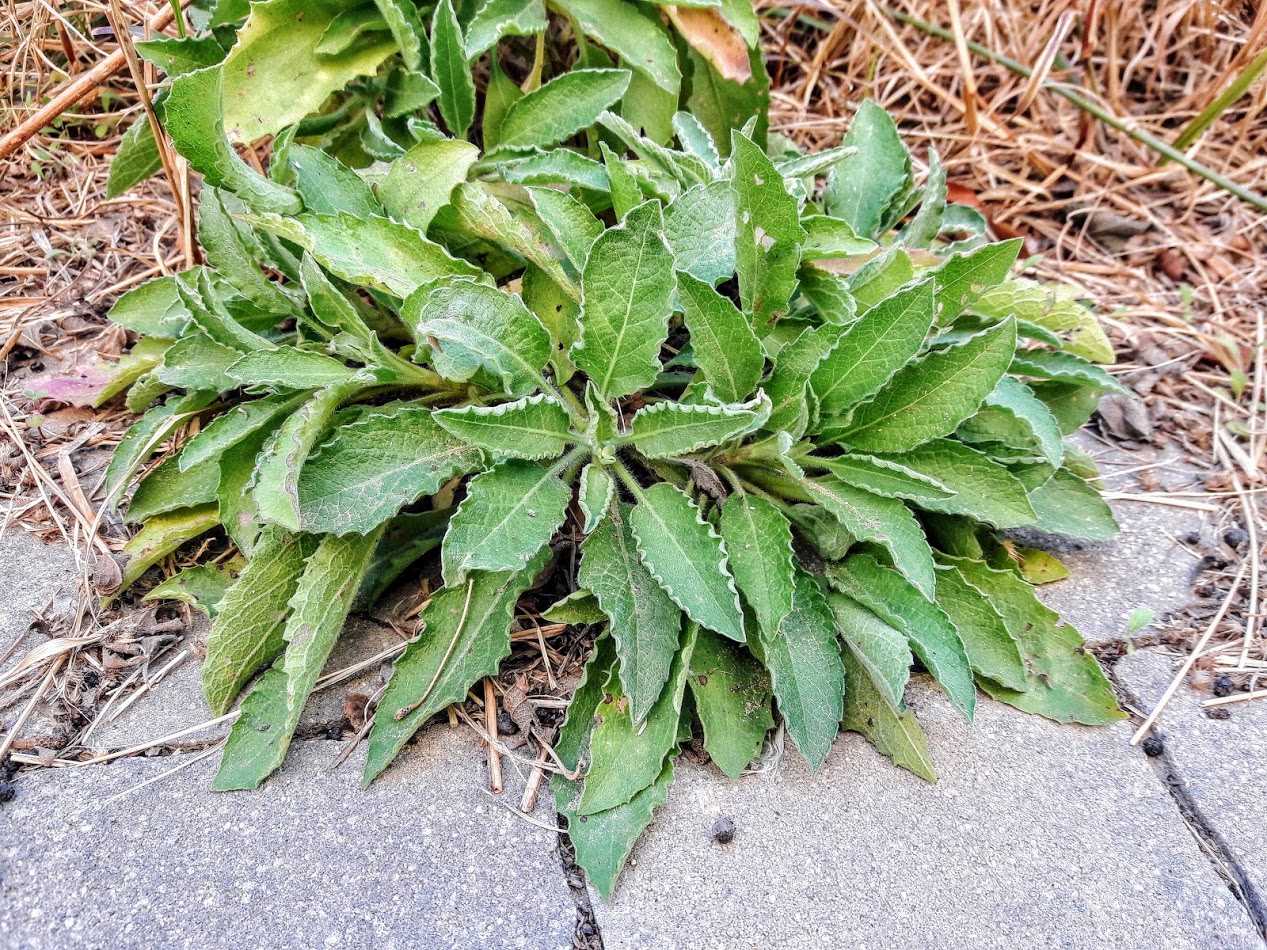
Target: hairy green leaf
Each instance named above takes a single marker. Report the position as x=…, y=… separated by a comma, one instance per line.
x=882, y=651
x=688, y=557
x=449, y=70
x=1065, y=683
x=873, y=349
x=982, y=488
x=863, y=186
x=992, y=651
x=562, y=107
x=803, y=657
x=509, y=514
x=323, y=596
x=535, y=427
x=247, y=633
x=1066, y=504
x=885, y=521
x=732, y=698
x=728, y=352
x=759, y=550
x=470, y=326
x=670, y=429
x=627, y=288
x=370, y=468
x=768, y=234
x=929, y=398
x=645, y=624
x=421, y=181
x=894, y=733
x=931, y=633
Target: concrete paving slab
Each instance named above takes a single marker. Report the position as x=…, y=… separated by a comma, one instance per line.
x=176, y=703
x=1220, y=765
x=33, y=576
x=1036, y=835
x=1146, y=565
x=93, y=857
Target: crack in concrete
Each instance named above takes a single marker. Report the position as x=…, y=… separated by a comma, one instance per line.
x=1208, y=839
x=587, y=935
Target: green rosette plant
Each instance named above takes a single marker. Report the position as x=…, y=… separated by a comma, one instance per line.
x=366, y=80
x=792, y=404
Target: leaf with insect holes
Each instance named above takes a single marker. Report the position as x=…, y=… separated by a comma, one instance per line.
x=894, y=733
x=873, y=349
x=699, y=226
x=471, y=326
x=562, y=107
x=450, y=72
x=670, y=429
x=247, y=634
x=509, y=514
x=688, y=557
x=759, y=550
x=732, y=699
x=861, y=188
x=627, y=288
x=930, y=397
x=259, y=738
x=645, y=624
x=727, y=351
x=420, y=182
x=1065, y=683
x=931, y=633
x=465, y=636
x=273, y=76
x=534, y=427
x=626, y=757
x=370, y=468
x=982, y=489
x=768, y=234
x=803, y=657
x=884, y=521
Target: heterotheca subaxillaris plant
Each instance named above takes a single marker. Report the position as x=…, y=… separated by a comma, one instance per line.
x=790, y=405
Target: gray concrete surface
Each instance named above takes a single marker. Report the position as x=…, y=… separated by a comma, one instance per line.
x=33, y=576
x=1035, y=836
x=93, y=857
x=1146, y=565
x=177, y=703
x=1221, y=765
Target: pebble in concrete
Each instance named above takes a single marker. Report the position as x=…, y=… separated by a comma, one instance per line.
x=1036, y=835
x=94, y=857
x=1220, y=765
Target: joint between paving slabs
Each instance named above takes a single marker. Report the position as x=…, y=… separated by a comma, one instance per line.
x=587, y=935
x=1207, y=837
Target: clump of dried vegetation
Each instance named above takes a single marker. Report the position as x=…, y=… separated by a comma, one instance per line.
x=1174, y=259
